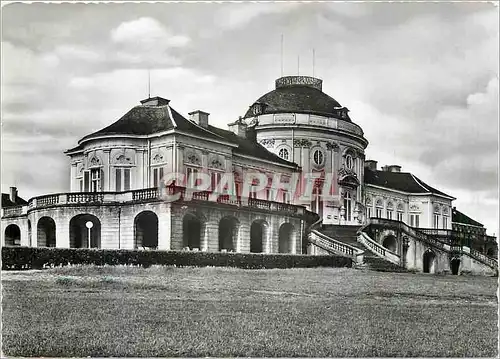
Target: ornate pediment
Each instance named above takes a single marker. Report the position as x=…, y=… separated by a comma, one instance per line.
x=158, y=158
x=414, y=208
x=193, y=158
x=348, y=178
x=332, y=146
x=123, y=160
x=267, y=142
x=94, y=161
x=216, y=163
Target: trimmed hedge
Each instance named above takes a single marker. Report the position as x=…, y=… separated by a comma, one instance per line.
x=38, y=258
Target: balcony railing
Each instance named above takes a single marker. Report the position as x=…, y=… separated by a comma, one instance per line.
x=93, y=197
x=151, y=194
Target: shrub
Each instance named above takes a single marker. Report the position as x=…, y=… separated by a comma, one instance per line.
x=38, y=258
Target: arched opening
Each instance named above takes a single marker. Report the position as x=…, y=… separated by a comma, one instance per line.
x=146, y=230
x=429, y=262
x=12, y=235
x=286, y=238
x=29, y=233
x=258, y=236
x=228, y=234
x=192, y=231
x=46, y=232
x=455, y=266
x=80, y=233
x=390, y=243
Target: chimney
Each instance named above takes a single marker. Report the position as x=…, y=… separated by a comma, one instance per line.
x=155, y=101
x=13, y=194
x=239, y=127
x=199, y=117
x=371, y=165
x=393, y=168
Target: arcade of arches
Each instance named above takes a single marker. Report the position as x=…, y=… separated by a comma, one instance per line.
x=192, y=231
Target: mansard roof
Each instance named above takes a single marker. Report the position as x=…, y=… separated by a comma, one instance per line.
x=150, y=119
x=6, y=202
x=459, y=217
x=147, y=120
x=249, y=147
x=400, y=181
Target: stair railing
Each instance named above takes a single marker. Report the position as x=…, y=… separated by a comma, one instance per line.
x=337, y=247
x=378, y=249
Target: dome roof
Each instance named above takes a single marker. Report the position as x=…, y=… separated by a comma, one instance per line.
x=298, y=94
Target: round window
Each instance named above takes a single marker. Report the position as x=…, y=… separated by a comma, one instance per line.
x=349, y=162
x=318, y=157
x=283, y=153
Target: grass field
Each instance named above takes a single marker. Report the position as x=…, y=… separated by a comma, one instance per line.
x=162, y=311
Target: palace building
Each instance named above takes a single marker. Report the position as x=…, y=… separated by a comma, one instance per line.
x=382, y=218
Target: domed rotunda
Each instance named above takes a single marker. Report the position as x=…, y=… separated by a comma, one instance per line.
x=300, y=123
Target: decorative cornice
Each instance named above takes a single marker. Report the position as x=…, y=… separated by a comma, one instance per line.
x=302, y=143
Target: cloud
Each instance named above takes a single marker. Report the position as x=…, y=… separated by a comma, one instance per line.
x=147, y=32
x=238, y=15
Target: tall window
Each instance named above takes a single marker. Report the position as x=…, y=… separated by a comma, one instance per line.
x=445, y=222
x=86, y=181
x=390, y=208
x=96, y=177
x=215, y=179
x=369, y=211
x=400, y=212
x=286, y=197
x=414, y=220
x=317, y=199
x=347, y=206
x=436, y=220
x=157, y=176
x=191, y=174
x=378, y=209
x=122, y=179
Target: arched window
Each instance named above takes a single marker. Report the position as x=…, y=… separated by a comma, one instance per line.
x=390, y=208
x=378, y=208
x=400, y=212
x=318, y=157
x=283, y=153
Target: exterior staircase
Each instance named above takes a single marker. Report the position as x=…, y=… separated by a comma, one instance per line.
x=348, y=235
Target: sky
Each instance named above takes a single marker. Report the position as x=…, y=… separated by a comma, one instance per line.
x=421, y=79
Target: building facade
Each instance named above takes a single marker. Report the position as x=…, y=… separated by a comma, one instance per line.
x=120, y=175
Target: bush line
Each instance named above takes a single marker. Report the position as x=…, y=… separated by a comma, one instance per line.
x=15, y=258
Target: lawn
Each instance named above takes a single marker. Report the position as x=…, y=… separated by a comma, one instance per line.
x=165, y=311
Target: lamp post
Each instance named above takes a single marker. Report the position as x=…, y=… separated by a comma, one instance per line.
x=89, y=225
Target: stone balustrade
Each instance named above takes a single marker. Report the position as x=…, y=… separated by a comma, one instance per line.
x=378, y=249
x=335, y=246
x=146, y=195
